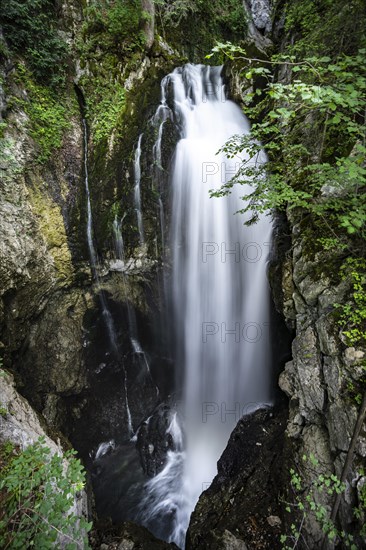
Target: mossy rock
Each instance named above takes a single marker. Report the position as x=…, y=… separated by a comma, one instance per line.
x=112, y=169
x=52, y=228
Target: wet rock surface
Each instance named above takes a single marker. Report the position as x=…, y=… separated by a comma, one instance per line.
x=259, y=23
x=322, y=412
x=237, y=511
x=154, y=439
x=128, y=536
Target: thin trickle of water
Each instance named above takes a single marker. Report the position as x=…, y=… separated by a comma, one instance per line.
x=120, y=255
x=131, y=431
x=105, y=448
x=142, y=357
x=160, y=178
x=118, y=239
x=132, y=325
x=89, y=223
x=162, y=224
x=137, y=173
x=220, y=295
x=163, y=113
x=92, y=253
x=107, y=316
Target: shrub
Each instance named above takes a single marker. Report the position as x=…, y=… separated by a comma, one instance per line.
x=107, y=107
x=30, y=28
x=48, y=115
x=310, y=503
x=37, y=491
x=114, y=26
x=324, y=98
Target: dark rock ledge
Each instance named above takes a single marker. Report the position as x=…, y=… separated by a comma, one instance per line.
x=128, y=536
x=241, y=508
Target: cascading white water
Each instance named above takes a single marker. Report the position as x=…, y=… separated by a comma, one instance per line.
x=104, y=448
x=137, y=174
x=220, y=295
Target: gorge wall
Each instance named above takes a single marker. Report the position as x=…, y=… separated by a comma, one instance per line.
x=49, y=304
x=53, y=336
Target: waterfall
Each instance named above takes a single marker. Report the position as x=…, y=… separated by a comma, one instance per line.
x=220, y=295
x=137, y=173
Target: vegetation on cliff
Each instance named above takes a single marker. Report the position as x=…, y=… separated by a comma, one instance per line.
x=310, y=116
x=32, y=31
x=196, y=24
x=37, y=491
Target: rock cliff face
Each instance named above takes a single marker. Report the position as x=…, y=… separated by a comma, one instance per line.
x=323, y=413
x=259, y=15
x=53, y=330
x=50, y=310
x=37, y=268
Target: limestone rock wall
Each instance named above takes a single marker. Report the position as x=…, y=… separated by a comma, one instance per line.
x=322, y=410
x=34, y=250
x=259, y=15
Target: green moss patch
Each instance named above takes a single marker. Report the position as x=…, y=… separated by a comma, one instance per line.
x=52, y=227
x=48, y=113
